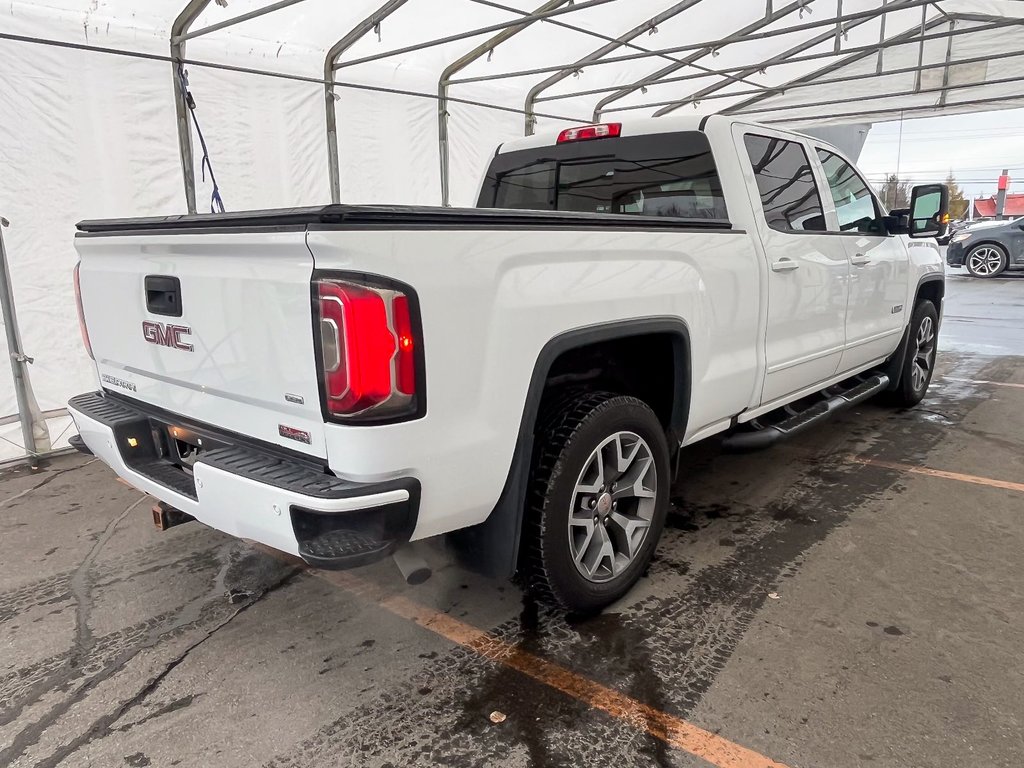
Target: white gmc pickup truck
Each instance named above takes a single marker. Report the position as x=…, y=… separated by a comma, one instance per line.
x=338, y=381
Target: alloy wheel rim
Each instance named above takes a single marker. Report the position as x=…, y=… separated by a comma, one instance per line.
x=924, y=354
x=985, y=261
x=612, y=506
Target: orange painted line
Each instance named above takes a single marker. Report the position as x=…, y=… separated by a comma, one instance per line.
x=982, y=381
x=991, y=483
x=674, y=731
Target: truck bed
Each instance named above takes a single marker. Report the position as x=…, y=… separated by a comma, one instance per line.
x=403, y=217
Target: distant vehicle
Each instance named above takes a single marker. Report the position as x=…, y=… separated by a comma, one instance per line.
x=988, y=249
x=337, y=381
x=965, y=224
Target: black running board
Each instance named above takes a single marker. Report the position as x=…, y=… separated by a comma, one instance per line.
x=769, y=435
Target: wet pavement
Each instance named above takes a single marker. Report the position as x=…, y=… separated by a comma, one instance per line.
x=804, y=606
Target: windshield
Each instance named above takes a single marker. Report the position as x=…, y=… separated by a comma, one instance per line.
x=670, y=174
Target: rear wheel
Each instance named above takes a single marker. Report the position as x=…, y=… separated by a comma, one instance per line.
x=598, y=499
x=986, y=261
x=919, y=363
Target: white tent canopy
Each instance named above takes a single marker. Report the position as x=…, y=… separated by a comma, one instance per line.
x=418, y=93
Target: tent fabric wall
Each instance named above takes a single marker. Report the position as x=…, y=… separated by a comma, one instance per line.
x=86, y=134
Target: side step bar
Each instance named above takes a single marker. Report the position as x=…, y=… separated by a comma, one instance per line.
x=765, y=436
x=76, y=442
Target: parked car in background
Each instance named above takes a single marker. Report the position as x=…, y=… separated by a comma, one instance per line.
x=988, y=249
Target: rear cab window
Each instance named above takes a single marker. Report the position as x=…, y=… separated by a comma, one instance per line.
x=785, y=182
x=661, y=174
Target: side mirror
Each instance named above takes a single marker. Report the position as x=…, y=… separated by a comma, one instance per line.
x=929, y=210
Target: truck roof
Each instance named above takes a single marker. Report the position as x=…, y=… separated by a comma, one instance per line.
x=631, y=127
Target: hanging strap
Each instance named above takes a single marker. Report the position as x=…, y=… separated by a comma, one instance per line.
x=216, y=202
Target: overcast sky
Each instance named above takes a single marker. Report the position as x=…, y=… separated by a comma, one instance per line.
x=976, y=147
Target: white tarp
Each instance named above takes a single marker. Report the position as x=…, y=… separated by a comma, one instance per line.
x=85, y=134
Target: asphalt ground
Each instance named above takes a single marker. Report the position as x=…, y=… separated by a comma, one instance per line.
x=850, y=598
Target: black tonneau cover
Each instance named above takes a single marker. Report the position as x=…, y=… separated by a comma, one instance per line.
x=396, y=217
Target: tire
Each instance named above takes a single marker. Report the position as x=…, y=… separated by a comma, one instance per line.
x=919, y=362
x=986, y=260
x=583, y=564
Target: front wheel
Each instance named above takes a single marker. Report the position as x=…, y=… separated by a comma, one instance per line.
x=919, y=363
x=598, y=500
x=986, y=261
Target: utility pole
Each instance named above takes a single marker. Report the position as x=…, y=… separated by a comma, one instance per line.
x=1004, y=185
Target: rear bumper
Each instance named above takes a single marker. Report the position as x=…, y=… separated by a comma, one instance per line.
x=288, y=503
x=955, y=254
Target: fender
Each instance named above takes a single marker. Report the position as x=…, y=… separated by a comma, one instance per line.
x=492, y=547
x=893, y=367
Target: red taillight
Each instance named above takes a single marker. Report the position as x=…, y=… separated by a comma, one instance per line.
x=405, y=360
x=368, y=349
x=81, y=312
x=585, y=132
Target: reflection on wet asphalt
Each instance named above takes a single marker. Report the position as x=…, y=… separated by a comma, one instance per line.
x=124, y=646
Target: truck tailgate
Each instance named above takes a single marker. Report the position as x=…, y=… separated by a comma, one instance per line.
x=214, y=326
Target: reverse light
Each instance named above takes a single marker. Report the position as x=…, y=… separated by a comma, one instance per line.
x=81, y=312
x=368, y=350
x=587, y=132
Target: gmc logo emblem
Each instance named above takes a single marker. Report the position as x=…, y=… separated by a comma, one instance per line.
x=166, y=335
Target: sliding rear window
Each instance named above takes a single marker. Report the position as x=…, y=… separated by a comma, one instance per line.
x=663, y=174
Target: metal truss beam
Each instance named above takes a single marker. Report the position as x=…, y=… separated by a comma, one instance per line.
x=236, y=20
x=900, y=110
x=793, y=85
x=740, y=34
x=715, y=44
x=869, y=49
x=941, y=89
x=786, y=55
x=855, y=55
x=572, y=8
x=604, y=50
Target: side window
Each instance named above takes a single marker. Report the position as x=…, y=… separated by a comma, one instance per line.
x=855, y=205
x=789, y=194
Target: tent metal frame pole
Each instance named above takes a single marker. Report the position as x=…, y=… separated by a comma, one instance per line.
x=484, y=49
x=716, y=44
x=867, y=50
x=236, y=20
x=773, y=91
x=739, y=34
x=949, y=58
x=576, y=6
x=180, y=27
x=914, y=92
x=881, y=39
x=853, y=56
x=604, y=50
x=895, y=112
x=920, y=47
x=354, y=35
x=840, y=31
x=19, y=361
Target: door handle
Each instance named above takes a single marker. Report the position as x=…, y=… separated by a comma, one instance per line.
x=860, y=260
x=785, y=265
